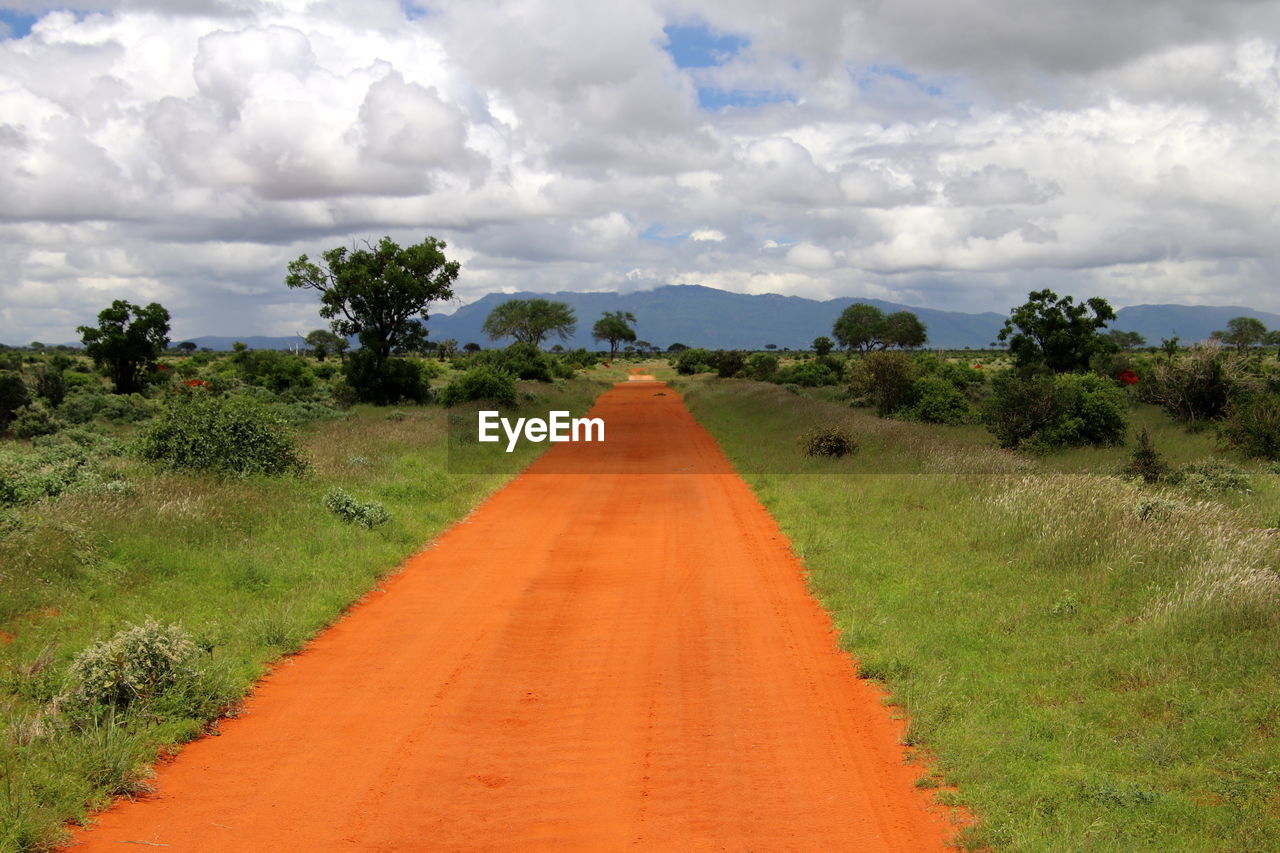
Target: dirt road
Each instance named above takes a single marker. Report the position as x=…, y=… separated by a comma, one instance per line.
x=589, y=662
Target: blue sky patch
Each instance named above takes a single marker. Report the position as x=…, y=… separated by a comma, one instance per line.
x=698, y=46
x=15, y=24
x=716, y=99
x=655, y=234
x=874, y=72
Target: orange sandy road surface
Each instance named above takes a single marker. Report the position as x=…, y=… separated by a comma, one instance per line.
x=609, y=661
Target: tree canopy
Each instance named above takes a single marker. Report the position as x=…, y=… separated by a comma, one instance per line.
x=127, y=341
x=379, y=293
x=530, y=321
x=1126, y=340
x=865, y=327
x=1242, y=333
x=614, y=327
x=1057, y=334
x=324, y=343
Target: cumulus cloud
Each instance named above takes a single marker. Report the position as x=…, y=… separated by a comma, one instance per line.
x=950, y=154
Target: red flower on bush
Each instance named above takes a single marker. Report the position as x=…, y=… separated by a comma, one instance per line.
x=162, y=367
x=1127, y=377
x=195, y=383
x=977, y=367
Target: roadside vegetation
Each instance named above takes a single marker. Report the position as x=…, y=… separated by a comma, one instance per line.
x=1088, y=659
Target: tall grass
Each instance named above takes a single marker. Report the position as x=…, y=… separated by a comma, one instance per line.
x=1092, y=664
x=250, y=567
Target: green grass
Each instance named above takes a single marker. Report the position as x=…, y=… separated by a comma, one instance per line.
x=1093, y=665
x=251, y=567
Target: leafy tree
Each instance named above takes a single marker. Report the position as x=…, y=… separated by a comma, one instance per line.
x=1169, y=346
x=13, y=396
x=324, y=343
x=614, y=327
x=903, y=329
x=1056, y=333
x=823, y=345
x=677, y=347
x=472, y=347
x=771, y=347
x=1242, y=333
x=127, y=341
x=860, y=326
x=380, y=294
x=1126, y=340
x=865, y=327
x=448, y=348
x=187, y=346
x=530, y=321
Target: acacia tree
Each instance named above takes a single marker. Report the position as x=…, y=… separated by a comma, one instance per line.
x=822, y=345
x=1242, y=333
x=865, y=327
x=1056, y=333
x=614, y=327
x=530, y=321
x=324, y=343
x=380, y=294
x=127, y=341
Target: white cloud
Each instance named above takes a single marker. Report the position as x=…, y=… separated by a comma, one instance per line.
x=954, y=154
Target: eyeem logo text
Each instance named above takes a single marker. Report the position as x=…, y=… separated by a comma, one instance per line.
x=557, y=427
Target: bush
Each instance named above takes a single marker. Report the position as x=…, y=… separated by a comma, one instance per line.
x=13, y=396
x=934, y=400
x=47, y=473
x=126, y=408
x=1252, y=425
x=275, y=371
x=761, y=366
x=367, y=515
x=1146, y=462
x=727, y=363
x=1044, y=412
x=885, y=379
x=138, y=663
x=1210, y=477
x=50, y=386
x=34, y=420
x=481, y=383
x=807, y=374
x=691, y=361
x=80, y=407
x=395, y=381
x=831, y=441
x=520, y=360
x=1197, y=387
x=228, y=435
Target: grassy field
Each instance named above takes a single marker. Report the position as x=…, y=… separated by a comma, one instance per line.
x=1093, y=665
x=251, y=567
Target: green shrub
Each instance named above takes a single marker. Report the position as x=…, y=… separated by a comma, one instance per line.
x=50, y=386
x=13, y=396
x=807, y=374
x=480, y=383
x=831, y=441
x=1210, y=477
x=47, y=473
x=761, y=366
x=885, y=379
x=346, y=507
x=520, y=360
x=126, y=408
x=79, y=407
x=275, y=371
x=395, y=381
x=727, y=363
x=1198, y=386
x=35, y=419
x=935, y=400
x=1146, y=463
x=694, y=360
x=1252, y=425
x=227, y=435
x=139, y=663
x=1045, y=412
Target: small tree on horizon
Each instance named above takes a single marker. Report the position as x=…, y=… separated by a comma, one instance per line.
x=615, y=328
x=530, y=321
x=1057, y=334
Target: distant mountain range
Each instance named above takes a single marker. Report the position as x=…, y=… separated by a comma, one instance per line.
x=717, y=319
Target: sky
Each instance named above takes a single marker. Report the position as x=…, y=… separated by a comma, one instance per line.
x=952, y=154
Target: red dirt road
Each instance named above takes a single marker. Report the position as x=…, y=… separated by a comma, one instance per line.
x=588, y=662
